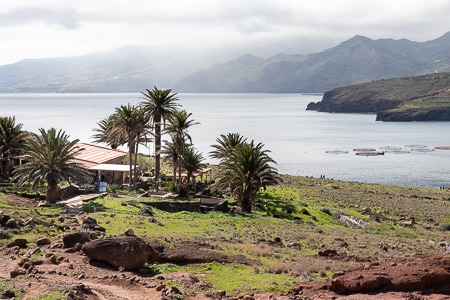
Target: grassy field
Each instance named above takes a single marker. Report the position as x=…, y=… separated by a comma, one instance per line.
x=291, y=224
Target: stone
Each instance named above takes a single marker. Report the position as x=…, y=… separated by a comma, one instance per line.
x=4, y=219
x=70, y=239
x=11, y=223
x=127, y=253
x=21, y=243
x=17, y=272
x=90, y=223
x=43, y=241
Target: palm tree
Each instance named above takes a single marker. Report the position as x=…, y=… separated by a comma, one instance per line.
x=130, y=125
x=179, y=124
x=245, y=171
x=192, y=161
x=50, y=158
x=170, y=154
x=105, y=133
x=226, y=144
x=159, y=105
x=12, y=141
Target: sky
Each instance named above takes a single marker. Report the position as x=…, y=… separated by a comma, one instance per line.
x=225, y=28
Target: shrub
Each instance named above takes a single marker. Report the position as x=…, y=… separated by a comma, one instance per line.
x=326, y=211
x=446, y=227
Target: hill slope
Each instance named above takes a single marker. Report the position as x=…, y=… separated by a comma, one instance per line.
x=418, y=98
x=127, y=69
x=356, y=60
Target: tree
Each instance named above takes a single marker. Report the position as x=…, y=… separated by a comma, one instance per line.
x=192, y=161
x=245, y=171
x=226, y=144
x=179, y=125
x=170, y=154
x=159, y=105
x=12, y=141
x=131, y=125
x=105, y=133
x=51, y=158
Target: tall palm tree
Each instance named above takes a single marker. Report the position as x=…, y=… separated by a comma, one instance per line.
x=179, y=125
x=245, y=171
x=105, y=133
x=50, y=158
x=130, y=125
x=159, y=105
x=12, y=141
x=226, y=144
x=192, y=161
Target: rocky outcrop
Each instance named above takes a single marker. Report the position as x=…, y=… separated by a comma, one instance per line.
x=127, y=253
x=419, y=98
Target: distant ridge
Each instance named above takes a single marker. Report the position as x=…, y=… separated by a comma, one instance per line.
x=359, y=59
x=132, y=69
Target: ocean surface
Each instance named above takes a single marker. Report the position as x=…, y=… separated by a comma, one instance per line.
x=298, y=139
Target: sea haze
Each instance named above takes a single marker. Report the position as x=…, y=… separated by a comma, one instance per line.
x=298, y=139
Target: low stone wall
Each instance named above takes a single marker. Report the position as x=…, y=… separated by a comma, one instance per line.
x=192, y=206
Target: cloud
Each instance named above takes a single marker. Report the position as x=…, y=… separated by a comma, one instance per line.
x=263, y=27
x=67, y=19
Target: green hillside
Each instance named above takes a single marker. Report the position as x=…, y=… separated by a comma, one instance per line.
x=415, y=98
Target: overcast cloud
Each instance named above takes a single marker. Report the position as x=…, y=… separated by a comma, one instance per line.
x=50, y=28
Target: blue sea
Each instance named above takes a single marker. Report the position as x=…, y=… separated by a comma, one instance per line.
x=298, y=139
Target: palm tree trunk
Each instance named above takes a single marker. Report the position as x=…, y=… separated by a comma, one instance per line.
x=130, y=152
x=157, y=146
x=246, y=201
x=52, y=194
x=179, y=162
x=135, y=159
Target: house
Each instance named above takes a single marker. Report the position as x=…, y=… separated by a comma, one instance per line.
x=106, y=164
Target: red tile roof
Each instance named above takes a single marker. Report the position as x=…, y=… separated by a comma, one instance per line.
x=94, y=154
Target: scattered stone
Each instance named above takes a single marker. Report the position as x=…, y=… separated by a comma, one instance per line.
x=8, y=294
x=160, y=287
x=17, y=272
x=21, y=243
x=11, y=223
x=70, y=239
x=4, y=219
x=328, y=253
x=129, y=232
x=43, y=241
x=90, y=223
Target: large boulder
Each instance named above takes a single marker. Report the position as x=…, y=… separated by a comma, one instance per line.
x=127, y=253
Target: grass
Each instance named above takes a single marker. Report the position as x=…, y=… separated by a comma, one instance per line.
x=278, y=216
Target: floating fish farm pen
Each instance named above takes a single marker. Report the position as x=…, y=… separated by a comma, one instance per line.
x=364, y=149
x=336, y=151
x=442, y=147
x=369, y=153
x=422, y=150
x=390, y=148
x=416, y=146
x=397, y=151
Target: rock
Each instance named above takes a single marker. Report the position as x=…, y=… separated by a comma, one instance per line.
x=4, y=235
x=17, y=272
x=127, y=253
x=70, y=239
x=4, y=219
x=8, y=294
x=29, y=222
x=359, y=283
x=90, y=223
x=328, y=253
x=129, y=232
x=11, y=223
x=43, y=241
x=22, y=243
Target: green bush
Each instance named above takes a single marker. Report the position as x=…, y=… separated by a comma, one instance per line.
x=446, y=227
x=326, y=211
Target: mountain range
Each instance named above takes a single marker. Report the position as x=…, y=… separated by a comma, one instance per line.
x=131, y=69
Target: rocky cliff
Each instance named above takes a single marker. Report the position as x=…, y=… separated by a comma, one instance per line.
x=416, y=98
